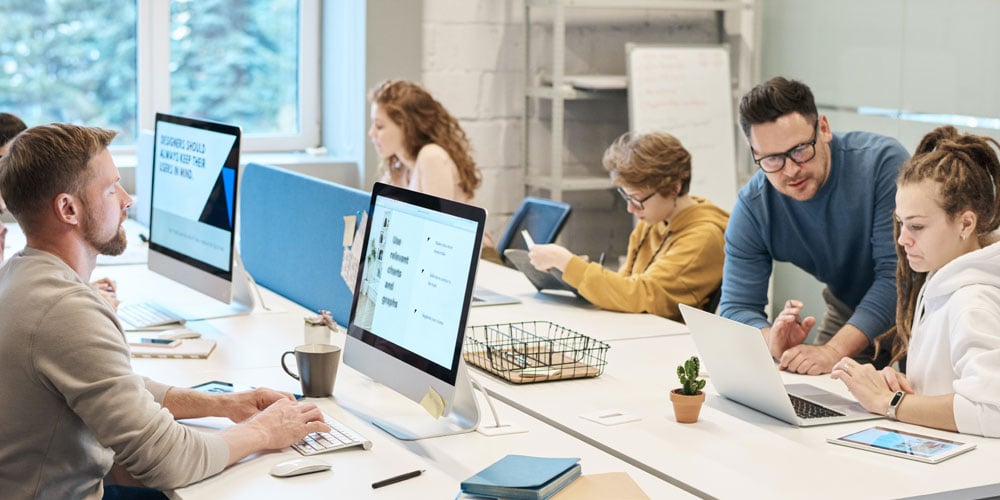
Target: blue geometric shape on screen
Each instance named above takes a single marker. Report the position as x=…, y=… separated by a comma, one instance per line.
x=229, y=184
x=217, y=211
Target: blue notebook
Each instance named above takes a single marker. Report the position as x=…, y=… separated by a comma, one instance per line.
x=520, y=477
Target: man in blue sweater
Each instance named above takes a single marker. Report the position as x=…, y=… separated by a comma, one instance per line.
x=823, y=202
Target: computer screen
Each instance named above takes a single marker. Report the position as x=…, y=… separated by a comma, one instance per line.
x=193, y=203
x=412, y=299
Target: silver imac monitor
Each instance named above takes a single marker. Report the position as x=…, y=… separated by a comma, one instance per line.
x=410, y=307
x=192, y=219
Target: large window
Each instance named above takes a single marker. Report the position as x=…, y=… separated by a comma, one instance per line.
x=252, y=63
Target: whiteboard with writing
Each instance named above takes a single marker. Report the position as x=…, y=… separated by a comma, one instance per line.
x=686, y=91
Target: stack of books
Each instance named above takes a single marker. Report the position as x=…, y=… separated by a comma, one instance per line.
x=519, y=477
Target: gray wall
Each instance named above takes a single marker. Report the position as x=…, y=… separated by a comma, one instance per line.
x=922, y=56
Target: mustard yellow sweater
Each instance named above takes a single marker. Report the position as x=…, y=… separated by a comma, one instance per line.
x=679, y=263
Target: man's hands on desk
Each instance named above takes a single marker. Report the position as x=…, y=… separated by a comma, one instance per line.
x=108, y=290
x=241, y=406
x=267, y=419
x=286, y=422
x=786, y=336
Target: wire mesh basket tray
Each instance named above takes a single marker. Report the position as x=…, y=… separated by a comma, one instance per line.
x=534, y=351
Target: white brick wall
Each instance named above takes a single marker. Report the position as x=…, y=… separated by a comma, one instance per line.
x=473, y=62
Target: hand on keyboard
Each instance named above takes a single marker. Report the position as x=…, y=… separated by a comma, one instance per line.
x=285, y=422
x=340, y=436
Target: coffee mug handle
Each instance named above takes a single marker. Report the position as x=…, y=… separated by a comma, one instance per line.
x=285, y=367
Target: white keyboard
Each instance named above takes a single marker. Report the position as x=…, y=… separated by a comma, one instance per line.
x=339, y=437
x=141, y=315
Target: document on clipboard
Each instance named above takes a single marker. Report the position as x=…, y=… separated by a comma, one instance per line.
x=354, y=238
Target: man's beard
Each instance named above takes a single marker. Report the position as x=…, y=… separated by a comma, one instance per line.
x=112, y=246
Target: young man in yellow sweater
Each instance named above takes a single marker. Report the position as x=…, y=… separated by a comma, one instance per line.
x=675, y=252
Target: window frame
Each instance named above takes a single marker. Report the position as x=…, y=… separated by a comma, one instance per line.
x=153, y=44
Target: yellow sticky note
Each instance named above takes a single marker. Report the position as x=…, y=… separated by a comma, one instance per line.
x=433, y=403
x=349, y=221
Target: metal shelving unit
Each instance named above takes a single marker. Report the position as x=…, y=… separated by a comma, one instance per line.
x=559, y=91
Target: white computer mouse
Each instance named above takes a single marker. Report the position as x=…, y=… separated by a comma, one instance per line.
x=298, y=466
x=179, y=334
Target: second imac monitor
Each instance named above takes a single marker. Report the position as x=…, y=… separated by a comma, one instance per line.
x=410, y=306
x=193, y=201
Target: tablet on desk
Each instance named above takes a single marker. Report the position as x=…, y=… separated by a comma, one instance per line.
x=542, y=280
x=903, y=444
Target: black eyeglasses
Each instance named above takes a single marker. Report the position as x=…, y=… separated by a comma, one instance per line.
x=799, y=154
x=636, y=202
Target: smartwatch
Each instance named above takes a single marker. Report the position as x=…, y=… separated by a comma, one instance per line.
x=897, y=398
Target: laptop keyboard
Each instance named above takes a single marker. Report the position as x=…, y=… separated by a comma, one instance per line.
x=140, y=315
x=808, y=409
x=340, y=436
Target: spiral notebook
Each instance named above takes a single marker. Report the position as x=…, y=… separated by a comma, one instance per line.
x=187, y=349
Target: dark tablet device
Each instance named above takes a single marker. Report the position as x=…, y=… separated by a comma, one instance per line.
x=551, y=280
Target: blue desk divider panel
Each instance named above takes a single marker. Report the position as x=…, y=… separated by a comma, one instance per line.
x=292, y=235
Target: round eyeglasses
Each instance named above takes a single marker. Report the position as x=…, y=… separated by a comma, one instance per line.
x=634, y=201
x=799, y=154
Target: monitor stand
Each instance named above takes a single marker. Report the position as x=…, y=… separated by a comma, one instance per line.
x=246, y=298
x=464, y=415
x=246, y=295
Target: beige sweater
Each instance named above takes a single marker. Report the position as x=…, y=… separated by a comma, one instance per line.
x=71, y=403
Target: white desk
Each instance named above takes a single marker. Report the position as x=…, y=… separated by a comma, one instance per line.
x=248, y=353
x=135, y=253
x=563, y=310
x=733, y=451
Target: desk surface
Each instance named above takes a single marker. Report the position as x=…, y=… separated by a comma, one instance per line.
x=249, y=352
x=563, y=310
x=733, y=451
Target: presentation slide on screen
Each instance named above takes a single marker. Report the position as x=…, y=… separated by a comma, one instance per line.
x=193, y=194
x=416, y=269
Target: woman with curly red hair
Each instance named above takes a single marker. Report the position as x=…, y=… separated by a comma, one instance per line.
x=422, y=146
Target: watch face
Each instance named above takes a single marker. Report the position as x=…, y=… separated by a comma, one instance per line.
x=896, y=398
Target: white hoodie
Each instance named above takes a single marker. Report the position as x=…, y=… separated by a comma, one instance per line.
x=955, y=344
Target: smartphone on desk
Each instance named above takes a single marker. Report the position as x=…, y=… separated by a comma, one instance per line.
x=150, y=342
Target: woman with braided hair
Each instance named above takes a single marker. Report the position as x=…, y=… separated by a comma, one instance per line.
x=948, y=284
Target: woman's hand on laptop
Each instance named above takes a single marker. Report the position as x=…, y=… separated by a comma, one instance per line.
x=869, y=386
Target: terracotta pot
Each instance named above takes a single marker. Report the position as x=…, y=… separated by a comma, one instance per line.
x=686, y=408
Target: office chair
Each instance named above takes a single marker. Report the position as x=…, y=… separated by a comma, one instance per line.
x=541, y=217
x=713, y=301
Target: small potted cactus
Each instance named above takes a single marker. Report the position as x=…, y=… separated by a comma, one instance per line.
x=688, y=398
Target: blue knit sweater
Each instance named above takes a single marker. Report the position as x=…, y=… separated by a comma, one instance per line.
x=842, y=236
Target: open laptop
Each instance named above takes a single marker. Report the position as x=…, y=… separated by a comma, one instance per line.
x=486, y=297
x=742, y=370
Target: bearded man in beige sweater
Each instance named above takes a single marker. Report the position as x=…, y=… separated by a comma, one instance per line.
x=72, y=405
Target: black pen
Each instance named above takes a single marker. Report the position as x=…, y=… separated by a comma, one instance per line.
x=396, y=479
